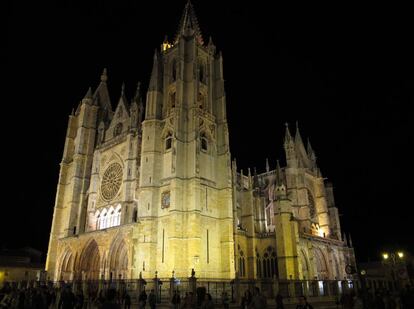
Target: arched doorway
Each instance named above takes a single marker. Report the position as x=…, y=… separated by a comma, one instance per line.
x=118, y=260
x=66, y=266
x=89, y=262
x=305, y=266
x=321, y=265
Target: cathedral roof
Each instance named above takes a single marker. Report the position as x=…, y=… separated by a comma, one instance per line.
x=189, y=21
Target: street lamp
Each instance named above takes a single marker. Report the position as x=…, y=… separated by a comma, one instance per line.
x=392, y=257
x=392, y=260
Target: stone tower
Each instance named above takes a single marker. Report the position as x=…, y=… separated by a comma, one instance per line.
x=184, y=196
x=143, y=193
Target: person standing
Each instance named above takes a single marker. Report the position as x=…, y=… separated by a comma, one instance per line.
x=142, y=299
x=225, y=300
x=152, y=299
x=127, y=301
x=258, y=301
x=279, y=301
x=303, y=303
x=176, y=300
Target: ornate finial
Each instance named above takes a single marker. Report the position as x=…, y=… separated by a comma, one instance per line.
x=267, y=165
x=156, y=274
x=173, y=274
x=104, y=76
x=192, y=273
x=140, y=275
x=287, y=125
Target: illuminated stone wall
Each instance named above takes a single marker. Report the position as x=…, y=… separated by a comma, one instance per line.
x=183, y=204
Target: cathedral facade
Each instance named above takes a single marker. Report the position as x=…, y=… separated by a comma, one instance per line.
x=146, y=190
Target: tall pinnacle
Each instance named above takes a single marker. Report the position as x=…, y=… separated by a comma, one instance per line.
x=104, y=76
x=154, y=81
x=189, y=21
x=288, y=137
x=298, y=138
x=138, y=92
x=101, y=95
x=88, y=94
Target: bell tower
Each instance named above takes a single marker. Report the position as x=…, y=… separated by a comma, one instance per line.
x=185, y=191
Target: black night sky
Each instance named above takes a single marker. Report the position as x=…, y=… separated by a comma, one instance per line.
x=345, y=73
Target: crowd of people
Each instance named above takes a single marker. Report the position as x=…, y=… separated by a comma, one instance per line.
x=48, y=296
x=381, y=299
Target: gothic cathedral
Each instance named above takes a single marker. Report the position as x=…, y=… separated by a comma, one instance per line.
x=154, y=190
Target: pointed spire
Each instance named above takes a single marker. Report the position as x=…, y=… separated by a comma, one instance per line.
x=279, y=179
x=249, y=177
x=344, y=239
x=88, y=94
x=267, y=165
x=298, y=138
x=104, y=76
x=255, y=178
x=87, y=99
x=189, y=21
x=350, y=240
x=101, y=95
x=288, y=137
x=154, y=84
x=309, y=147
x=123, y=89
x=280, y=188
x=137, y=95
x=311, y=153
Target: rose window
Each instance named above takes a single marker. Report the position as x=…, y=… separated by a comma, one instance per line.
x=111, y=181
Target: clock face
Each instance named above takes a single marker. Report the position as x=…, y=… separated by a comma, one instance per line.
x=111, y=181
x=165, y=199
x=349, y=269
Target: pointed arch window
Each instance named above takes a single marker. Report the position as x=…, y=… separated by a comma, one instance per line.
x=112, y=218
x=174, y=70
x=268, y=263
x=104, y=219
x=168, y=141
x=135, y=215
x=118, y=129
x=117, y=216
x=201, y=71
x=258, y=266
x=98, y=220
x=204, y=142
x=172, y=99
x=242, y=264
